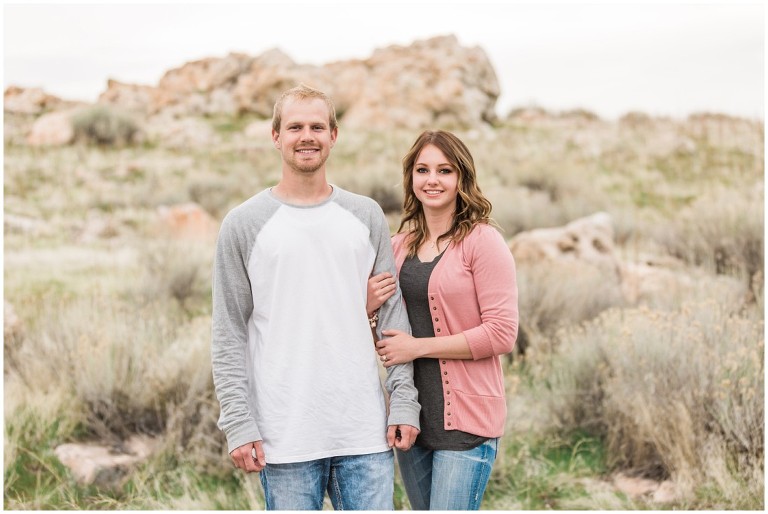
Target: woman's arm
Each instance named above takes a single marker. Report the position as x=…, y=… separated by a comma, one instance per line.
x=494, y=275
x=400, y=347
x=380, y=288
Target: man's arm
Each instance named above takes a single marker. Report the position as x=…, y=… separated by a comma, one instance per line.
x=404, y=406
x=232, y=308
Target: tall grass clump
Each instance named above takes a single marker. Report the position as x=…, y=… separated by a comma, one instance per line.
x=123, y=364
x=553, y=294
x=178, y=272
x=675, y=394
x=722, y=230
x=104, y=126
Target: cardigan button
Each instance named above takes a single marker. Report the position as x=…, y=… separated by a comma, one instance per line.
x=449, y=423
x=449, y=403
x=447, y=382
x=437, y=319
x=431, y=297
x=438, y=330
x=445, y=372
x=443, y=362
x=449, y=414
x=434, y=308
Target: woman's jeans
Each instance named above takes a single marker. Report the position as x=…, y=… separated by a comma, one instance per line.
x=447, y=479
x=353, y=482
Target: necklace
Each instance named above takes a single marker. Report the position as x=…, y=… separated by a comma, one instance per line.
x=433, y=244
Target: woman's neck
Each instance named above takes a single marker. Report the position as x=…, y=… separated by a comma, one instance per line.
x=438, y=223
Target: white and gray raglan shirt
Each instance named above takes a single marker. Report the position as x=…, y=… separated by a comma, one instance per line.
x=293, y=359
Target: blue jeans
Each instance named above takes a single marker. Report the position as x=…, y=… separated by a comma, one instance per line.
x=353, y=482
x=447, y=479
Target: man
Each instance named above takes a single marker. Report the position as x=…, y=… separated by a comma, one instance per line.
x=294, y=367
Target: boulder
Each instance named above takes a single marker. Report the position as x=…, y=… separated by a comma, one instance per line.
x=659, y=280
x=52, y=129
x=29, y=100
x=645, y=488
x=269, y=75
x=187, y=221
x=588, y=239
x=130, y=97
x=102, y=465
x=205, y=75
x=434, y=82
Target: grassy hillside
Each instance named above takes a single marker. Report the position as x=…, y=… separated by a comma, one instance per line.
x=112, y=316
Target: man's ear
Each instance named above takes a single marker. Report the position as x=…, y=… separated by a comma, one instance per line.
x=276, y=139
x=334, y=135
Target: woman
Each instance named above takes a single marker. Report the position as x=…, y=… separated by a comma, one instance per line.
x=457, y=277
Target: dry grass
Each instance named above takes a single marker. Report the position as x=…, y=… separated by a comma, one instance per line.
x=722, y=229
x=675, y=393
x=115, y=319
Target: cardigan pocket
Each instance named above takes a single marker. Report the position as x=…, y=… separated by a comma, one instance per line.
x=479, y=414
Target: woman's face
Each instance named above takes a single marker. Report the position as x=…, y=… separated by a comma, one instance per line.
x=435, y=180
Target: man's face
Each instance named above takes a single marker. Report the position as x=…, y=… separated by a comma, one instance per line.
x=305, y=138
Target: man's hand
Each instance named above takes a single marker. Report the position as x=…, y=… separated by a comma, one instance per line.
x=249, y=457
x=401, y=437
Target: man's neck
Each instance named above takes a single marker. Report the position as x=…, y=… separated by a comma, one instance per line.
x=303, y=190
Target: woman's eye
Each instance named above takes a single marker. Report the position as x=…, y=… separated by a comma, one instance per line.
x=445, y=171
x=422, y=170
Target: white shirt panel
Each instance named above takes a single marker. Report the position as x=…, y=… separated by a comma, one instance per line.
x=308, y=272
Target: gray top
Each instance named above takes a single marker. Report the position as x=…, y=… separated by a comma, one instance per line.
x=414, y=282
x=294, y=363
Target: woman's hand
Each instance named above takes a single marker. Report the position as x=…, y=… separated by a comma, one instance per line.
x=380, y=288
x=398, y=347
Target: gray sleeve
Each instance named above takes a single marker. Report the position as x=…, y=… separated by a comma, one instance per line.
x=404, y=406
x=232, y=308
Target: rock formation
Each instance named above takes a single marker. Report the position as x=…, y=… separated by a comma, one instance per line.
x=590, y=240
x=431, y=82
x=30, y=101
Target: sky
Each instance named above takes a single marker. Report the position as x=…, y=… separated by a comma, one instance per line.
x=610, y=58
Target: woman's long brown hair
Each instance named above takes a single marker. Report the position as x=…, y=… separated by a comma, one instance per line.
x=471, y=206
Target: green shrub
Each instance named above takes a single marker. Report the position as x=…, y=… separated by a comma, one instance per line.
x=104, y=126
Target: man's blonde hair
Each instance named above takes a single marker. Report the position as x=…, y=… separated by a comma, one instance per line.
x=302, y=92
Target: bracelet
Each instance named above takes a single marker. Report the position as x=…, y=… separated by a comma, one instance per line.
x=373, y=319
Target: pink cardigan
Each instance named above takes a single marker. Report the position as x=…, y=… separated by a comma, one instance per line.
x=473, y=290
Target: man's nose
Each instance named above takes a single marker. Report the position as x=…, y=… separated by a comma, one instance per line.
x=307, y=134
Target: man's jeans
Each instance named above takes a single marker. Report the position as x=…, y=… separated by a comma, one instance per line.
x=446, y=479
x=353, y=482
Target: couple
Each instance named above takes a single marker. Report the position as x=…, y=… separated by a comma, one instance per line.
x=293, y=365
